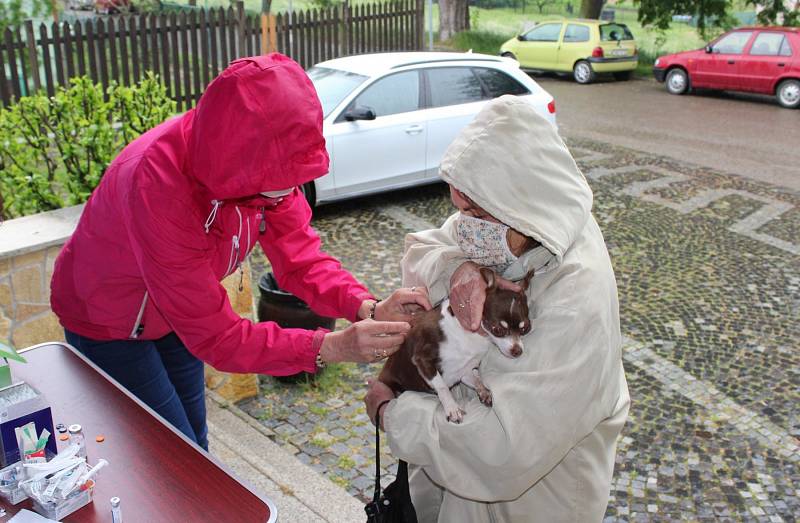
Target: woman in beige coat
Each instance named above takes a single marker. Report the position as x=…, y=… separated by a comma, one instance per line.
x=545, y=450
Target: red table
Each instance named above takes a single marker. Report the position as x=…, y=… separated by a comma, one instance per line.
x=157, y=472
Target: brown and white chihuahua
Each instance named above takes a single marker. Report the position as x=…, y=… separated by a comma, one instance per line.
x=438, y=352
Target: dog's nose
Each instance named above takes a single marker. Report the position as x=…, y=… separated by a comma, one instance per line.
x=516, y=351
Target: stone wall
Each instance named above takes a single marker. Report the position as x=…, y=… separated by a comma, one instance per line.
x=28, y=249
x=25, y=316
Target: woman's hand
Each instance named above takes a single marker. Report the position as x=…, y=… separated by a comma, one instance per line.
x=377, y=393
x=468, y=292
x=402, y=304
x=364, y=342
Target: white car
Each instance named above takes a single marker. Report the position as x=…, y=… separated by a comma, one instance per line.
x=389, y=117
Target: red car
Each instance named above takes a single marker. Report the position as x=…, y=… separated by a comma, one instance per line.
x=754, y=59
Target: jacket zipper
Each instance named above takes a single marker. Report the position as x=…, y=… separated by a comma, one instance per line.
x=246, y=252
x=492, y=515
x=138, y=327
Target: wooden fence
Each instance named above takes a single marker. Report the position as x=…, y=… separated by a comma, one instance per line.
x=188, y=49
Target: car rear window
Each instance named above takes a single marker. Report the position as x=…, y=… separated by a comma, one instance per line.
x=786, y=49
x=498, y=83
x=576, y=33
x=333, y=85
x=614, y=32
x=767, y=44
x=453, y=85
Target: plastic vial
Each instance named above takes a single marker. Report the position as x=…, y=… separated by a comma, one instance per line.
x=116, y=510
x=76, y=438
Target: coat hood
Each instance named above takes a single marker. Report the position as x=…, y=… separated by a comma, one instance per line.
x=257, y=127
x=512, y=162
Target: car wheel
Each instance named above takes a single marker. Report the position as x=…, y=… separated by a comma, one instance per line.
x=677, y=81
x=583, y=72
x=310, y=192
x=788, y=94
x=623, y=76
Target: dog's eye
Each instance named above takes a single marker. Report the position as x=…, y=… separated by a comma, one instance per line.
x=526, y=328
x=498, y=331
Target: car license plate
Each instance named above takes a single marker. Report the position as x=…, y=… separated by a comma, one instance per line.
x=619, y=52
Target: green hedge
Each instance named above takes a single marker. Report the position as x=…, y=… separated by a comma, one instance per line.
x=54, y=150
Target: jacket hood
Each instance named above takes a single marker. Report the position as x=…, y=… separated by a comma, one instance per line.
x=512, y=162
x=257, y=128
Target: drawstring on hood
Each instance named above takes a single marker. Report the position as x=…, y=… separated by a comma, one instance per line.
x=213, y=214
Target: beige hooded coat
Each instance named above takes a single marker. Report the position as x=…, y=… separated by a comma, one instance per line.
x=545, y=450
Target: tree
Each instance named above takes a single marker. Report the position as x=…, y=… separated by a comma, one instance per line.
x=591, y=8
x=520, y=4
x=453, y=18
x=777, y=12
x=540, y=4
x=659, y=12
x=14, y=12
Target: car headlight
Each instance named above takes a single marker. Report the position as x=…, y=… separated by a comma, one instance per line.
x=658, y=61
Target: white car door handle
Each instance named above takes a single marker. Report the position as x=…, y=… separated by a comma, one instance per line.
x=413, y=129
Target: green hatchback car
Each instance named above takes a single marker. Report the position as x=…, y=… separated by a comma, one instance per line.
x=582, y=47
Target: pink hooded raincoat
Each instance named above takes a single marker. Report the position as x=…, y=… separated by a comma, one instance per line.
x=178, y=210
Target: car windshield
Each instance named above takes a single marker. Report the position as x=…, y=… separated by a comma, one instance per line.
x=333, y=85
x=614, y=32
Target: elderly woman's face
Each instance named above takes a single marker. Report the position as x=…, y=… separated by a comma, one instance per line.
x=468, y=207
x=517, y=242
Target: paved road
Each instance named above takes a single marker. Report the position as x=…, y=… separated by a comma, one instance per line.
x=747, y=135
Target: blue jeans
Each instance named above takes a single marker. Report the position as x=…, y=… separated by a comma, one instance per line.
x=162, y=373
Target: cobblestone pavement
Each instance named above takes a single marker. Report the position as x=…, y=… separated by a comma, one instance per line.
x=708, y=267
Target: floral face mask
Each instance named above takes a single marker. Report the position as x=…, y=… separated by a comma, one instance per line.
x=484, y=242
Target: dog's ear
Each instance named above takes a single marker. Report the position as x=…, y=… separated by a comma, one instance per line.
x=527, y=280
x=489, y=278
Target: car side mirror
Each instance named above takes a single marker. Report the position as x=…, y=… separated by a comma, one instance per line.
x=519, y=37
x=359, y=113
x=709, y=49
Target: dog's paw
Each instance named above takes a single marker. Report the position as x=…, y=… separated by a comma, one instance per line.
x=455, y=415
x=485, y=395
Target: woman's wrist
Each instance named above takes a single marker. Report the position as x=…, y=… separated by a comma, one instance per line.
x=327, y=351
x=367, y=309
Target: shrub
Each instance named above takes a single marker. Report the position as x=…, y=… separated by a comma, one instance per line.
x=53, y=151
x=479, y=41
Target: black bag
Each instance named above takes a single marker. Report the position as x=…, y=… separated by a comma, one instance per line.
x=394, y=506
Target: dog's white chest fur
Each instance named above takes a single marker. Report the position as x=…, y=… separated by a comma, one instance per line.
x=461, y=351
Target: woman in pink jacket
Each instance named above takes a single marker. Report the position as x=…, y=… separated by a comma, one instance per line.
x=137, y=288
